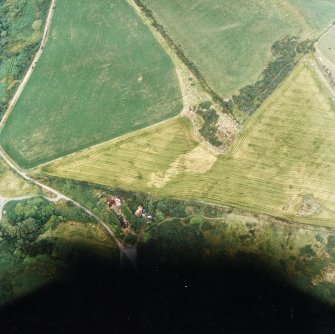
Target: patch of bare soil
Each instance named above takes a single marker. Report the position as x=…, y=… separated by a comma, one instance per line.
x=227, y=130
x=197, y=161
x=327, y=276
x=308, y=206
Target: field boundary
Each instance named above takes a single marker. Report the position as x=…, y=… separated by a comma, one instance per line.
x=258, y=115
x=178, y=51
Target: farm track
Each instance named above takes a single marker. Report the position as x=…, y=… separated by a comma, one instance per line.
x=129, y=253
x=5, y=200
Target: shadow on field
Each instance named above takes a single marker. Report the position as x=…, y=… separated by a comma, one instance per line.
x=221, y=298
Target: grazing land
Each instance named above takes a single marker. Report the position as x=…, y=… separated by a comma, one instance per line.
x=88, y=236
x=229, y=41
x=318, y=14
x=277, y=166
x=102, y=74
x=12, y=185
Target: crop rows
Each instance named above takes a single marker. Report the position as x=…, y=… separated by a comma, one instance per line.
x=285, y=153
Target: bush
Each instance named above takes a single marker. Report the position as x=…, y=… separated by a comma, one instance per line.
x=196, y=220
x=206, y=226
x=209, y=128
x=287, y=51
x=130, y=239
x=307, y=251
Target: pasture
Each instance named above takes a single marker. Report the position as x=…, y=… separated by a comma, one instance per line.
x=318, y=14
x=229, y=41
x=13, y=185
x=86, y=236
x=102, y=74
x=282, y=164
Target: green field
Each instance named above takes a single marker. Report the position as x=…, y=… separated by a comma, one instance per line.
x=282, y=164
x=102, y=74
x=318, y=14
x=13, y=185
x=229, y=41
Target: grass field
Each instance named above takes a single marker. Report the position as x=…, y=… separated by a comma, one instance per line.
x=318, y=14
x=84, y=235
x=229, y=41
x=282, y=164
x=102, y=74
x=13, y=185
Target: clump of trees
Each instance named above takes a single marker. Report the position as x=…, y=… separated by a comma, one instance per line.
x=287, y=52
x=25, y=220
x=209, y=128
x=173, y=243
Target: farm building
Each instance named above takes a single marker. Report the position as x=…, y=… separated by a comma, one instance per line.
x=139, y=212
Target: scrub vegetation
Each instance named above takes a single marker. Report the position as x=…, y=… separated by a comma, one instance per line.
x=193, y=233
x=41, y=241
x=21, y=28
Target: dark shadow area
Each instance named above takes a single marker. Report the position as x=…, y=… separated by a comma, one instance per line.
x=188, y=298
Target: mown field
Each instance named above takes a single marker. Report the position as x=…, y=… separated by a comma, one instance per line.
x=13, y=185
x=229, y=41
x=102, y=74
x=282, y=163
